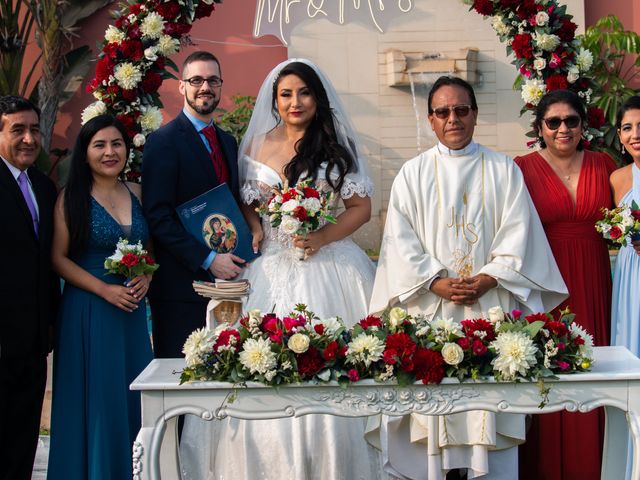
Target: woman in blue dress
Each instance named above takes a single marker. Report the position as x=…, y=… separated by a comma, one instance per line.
x=101, y=340
x=625, y=309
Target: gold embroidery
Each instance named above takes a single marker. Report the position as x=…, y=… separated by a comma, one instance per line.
x=484, y=429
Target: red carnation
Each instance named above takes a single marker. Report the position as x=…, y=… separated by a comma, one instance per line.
x=134, y=32
x=129, y=123
x=290, y=323
x=534, y=317
x=428, y=366
x=563, y=365
x=567, y=30
x=223, y=339
x=149, y=260
x=269, y=323
x=635, y=214
x=595, y=117
x=578, y=341
x=557, y=328
x=370, y=321
x=177, y=29
x=129, y=95
x=528, y=8
x=331, y=351
x=130, y=260
x=135, y=9
x=521, y=45
x=470, y=327
x=464, y=343
x=509, y=4
x=615, y=232
x=204, y=10
x=151, y=82
x=300, y=213
x=111, y=50
x=104, y=69
x=556, y=82
x=353, y=375
x=479, y=348
x=401, y=346
x=121, y=22
x=310, y=192
x=483, y=7
x=132, y=49
x=309, y=362
x=389, y=356
x=169, y=10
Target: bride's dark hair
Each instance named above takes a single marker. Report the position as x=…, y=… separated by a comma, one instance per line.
x=319, y=143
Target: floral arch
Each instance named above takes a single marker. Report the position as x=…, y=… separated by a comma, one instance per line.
x=135, y=59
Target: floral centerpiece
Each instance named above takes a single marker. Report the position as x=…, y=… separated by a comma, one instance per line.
x=298, y=210
x=130, y=260
x=394, y=347
x=620, y=224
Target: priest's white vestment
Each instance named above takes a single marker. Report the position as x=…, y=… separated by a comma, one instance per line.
x=458, y=214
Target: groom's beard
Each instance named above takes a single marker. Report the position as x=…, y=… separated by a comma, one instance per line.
x=204, y=106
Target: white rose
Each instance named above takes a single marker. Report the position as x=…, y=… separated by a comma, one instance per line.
x=496, y=314
x=255, y=314
x=151, y=54
x=539, y=63
x=542, y=18
x=312, y=205
x=396, y=316
x=289, y=225
x=573, y=74
x=298, y=342
x=290, y=205
x=139, y=140
x=452, y=353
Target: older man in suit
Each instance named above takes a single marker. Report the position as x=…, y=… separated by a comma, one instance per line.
x=29, y=290
x=185, y=158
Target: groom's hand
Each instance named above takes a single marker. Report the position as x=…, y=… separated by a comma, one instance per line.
x=225, y=266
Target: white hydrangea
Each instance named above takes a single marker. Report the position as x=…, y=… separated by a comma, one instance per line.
x=199, y=343
x=114, y=35
x=289, y=225
x=127, y=75
x=516, y=354
x=151, y=118
x=168, y=45
x=93, y=110
x=546, y=41
x=256, y=356
x=533, y=90
x=365, y=349
x=152, y=26
x=584, y=59
x=331, y=325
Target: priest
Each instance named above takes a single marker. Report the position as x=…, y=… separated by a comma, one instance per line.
x=461, y=236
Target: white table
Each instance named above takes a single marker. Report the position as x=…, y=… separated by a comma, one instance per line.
x=614, y=383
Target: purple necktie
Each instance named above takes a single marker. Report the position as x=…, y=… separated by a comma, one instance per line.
x=23, y=181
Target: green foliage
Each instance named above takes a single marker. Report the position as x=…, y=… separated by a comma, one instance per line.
x=616, y=59
x=236, y=120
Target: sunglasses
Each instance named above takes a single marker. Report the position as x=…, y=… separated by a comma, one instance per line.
x=553, y=123
x=444, y=112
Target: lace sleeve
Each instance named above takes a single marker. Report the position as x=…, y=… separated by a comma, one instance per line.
x=362, y=188
x=249, y=192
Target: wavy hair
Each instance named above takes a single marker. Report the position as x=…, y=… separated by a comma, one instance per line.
x=77, y=192
x=631, y=103
x=319, y=143
x=558, y=96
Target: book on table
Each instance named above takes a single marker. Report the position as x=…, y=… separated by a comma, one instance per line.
x=214, y=218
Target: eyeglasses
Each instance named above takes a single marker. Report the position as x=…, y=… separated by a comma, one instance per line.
x=553, y=123
x=444, y=112
x=198, y=81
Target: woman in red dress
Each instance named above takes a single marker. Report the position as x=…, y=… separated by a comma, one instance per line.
x=569, y=186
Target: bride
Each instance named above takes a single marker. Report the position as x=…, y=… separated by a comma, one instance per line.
x=299, y=129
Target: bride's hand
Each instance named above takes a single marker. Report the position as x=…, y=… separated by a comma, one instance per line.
x=258, y=236
x=311, y=243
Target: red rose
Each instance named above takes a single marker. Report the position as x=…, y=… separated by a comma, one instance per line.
x=483, y=7
x=111, y=50
x=169, y=10
x=132, y=49
x=578, y=341
x=135, y=9
x=615, y=232
x=561, y=346
x=521, y=45
x=389, y=356
x=319, y=328
x=223, y=339
x=557, y=328
x=527, y=8
x=309, y=362
x=300, y=213
x=289, y=195
x=129, y=123
x=343, y=352
x=353, y=375
x=595, y=117
x=129, y=95
x=310, y=192
x=276, y=337
x=177, y=29
x=407, y=365
x=130, y=260
x=562, y=365
x=567, y=30
x=151, y=82
x=134, y=32
x=515, y=313
x=149, y=260
x=290, y=323
x=121, y=21
x=635, y=214
x=370, y=321
x=331, y=351
x=534, y=317
x=556, y=82
x=104, y=69
x=479, y=348
x=269, y=323
x=428, y=366
x=204, y=10
x=464, y=343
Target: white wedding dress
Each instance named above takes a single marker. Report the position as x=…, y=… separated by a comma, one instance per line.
x=336, y=281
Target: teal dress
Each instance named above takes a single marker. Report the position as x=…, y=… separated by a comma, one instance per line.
x=99, y=349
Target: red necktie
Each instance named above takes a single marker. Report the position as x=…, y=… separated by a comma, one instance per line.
x=219, y=165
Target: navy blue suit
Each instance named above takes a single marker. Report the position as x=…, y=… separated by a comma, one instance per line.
x=177, y=168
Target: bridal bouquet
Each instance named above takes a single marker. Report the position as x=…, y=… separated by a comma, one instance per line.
x=298, y=210
x=130, y=260
x=620, y=223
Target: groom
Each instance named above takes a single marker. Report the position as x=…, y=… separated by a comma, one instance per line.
x=185, y=158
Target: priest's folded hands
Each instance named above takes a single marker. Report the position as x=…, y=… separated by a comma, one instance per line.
x=465, y=290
